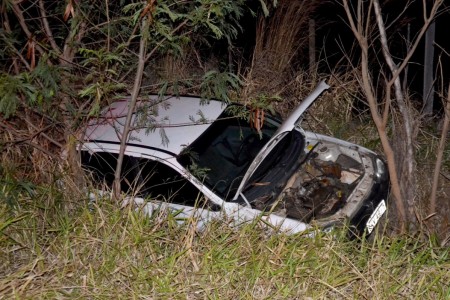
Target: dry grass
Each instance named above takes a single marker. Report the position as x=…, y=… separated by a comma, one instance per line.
x=101, y=251
x=279, y=39
x=426, y=151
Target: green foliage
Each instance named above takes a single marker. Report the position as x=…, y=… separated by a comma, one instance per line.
x=11, y=89
x=264, y=102
x=108, y=45
x=264, y=8
x=174, y=24
x=194, y=169
x=220, y=17
x=47, y=78
x=238, y=111
x=217, y=85
x=197, y=171
x=173, y=27
x=101, y=59
x=99, y=82
x=36, y=88
x=13, y=190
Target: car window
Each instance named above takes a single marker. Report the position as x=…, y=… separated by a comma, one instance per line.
x=145, y=178
x=222, y=154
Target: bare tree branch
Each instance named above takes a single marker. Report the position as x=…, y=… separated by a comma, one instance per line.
x=19, y=14
x=352, y=23
x=131, y=108
x=47, y=29
x=108, y=24
x=440, y=154
x=42, y=133
x=19, y=55
x=397, y=84
x=27, y=140
x=401, y=159
x=427, y=21
x=368, y=88
x=75, y=35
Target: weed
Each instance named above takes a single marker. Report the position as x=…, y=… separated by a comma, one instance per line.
x=108, y=252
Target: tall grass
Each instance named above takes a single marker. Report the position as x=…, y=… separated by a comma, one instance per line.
x=279, y=41
x=101, y=251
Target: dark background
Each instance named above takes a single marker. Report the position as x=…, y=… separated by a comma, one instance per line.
x=333, y=36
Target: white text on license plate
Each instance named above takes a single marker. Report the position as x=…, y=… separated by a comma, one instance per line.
x=375, y=217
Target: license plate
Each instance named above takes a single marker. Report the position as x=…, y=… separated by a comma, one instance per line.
x=375, y=217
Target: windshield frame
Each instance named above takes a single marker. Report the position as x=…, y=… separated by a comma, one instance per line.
x=217, y=158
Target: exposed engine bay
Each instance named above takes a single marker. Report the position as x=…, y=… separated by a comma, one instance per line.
x=321, y=186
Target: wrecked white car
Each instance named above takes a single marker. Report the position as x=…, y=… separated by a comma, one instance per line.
x=201, y=159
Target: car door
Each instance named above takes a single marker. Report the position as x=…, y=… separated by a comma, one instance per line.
x=153, y=185
x=167, y=190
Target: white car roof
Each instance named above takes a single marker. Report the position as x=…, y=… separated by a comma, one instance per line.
x=182, y=120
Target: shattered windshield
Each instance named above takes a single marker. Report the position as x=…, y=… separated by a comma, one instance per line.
x=222, y=154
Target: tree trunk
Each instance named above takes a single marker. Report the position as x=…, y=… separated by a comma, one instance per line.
x=428, y=72
x=312, y=45
x=403, y=143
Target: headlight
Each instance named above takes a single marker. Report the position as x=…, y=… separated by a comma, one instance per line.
x=380, y=171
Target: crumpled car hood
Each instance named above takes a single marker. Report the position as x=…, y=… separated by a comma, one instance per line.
x=288, y=125
x=295, y=116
